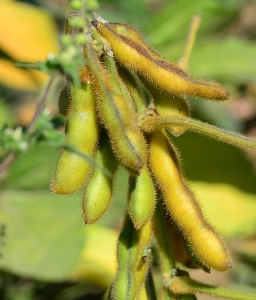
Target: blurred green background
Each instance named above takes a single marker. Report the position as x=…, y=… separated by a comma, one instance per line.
x=45, y=250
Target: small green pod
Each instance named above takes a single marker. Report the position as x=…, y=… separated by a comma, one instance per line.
x=97, y=195
x=141, y=196
x=82, y=133
x=127, y=256
x=141, y=96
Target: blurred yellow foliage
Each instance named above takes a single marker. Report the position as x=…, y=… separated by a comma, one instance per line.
x=231, y=210
x=28, y=34
x=97, y=263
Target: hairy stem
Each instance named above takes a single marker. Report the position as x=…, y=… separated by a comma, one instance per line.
x=156, y=123
x=184, y=285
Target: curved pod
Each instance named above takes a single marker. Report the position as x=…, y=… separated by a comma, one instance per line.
x=127, y=256
x=205, y=245
x=82, y=133
x=141, y=203
x=97, y=195
x=118, y=116
x=166, y=75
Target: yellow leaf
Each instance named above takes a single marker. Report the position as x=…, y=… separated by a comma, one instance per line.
x=19, y=78
x=230, y=210
x=97, y=263
x=28, y=34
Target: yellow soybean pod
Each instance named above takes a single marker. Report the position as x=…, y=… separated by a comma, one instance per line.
x=82, y=133
x=131, y=32
x=206, y=246
x=97, y=195
x=166, y=75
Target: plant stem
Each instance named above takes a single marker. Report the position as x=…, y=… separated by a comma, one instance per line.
x=184, y=285
x=183, y=63
x=157, y=122
x=40, y=106
x=150, y=286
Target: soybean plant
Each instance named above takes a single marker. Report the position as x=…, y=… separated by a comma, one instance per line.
x=129, y=102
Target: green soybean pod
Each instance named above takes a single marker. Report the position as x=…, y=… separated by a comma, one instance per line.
x=118, y=116
x=127, y=256
x=141, y=95
x=82, y=133
x=141, y=203
x=97, y=195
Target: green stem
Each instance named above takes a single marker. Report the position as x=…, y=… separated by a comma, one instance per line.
x=165, y=244
x=55, y=77
x=165, y=248
x=157, y=122
x=27, y=65
x=150, y=286
x=184, y=285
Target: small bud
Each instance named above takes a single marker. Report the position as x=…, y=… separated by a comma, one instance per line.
x=76, y=4
x=77, y=22
x=92, y=4
x=81, y=38
x=65, y=39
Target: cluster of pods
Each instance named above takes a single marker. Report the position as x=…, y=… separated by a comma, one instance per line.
x=123, y=83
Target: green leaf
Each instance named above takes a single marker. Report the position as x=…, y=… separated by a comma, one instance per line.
x=33, y=169
x=228, y=59
x=205, y=159
x=46, y=239
x=173, y=22
x=44, y=234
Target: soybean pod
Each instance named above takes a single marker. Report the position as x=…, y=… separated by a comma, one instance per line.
x=97, y=195
x=166, y=75
x=166, y=104
x=205, y=245
x=141, y=96
x=81, y=131
x=118, y=116
x=127, y=256
x=141, y=202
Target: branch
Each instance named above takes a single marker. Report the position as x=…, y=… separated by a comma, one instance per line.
x=155, y=123
x=184, y=285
